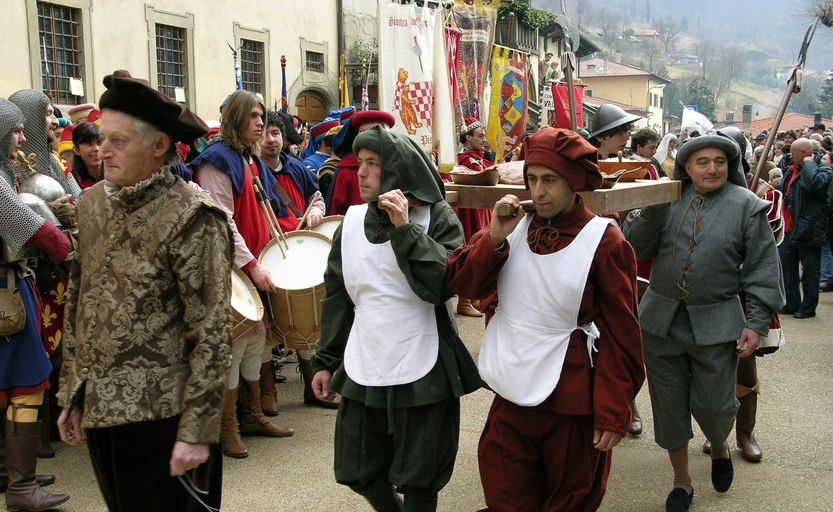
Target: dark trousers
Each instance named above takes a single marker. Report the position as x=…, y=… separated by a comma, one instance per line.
x=810, y=259
x=132, y=466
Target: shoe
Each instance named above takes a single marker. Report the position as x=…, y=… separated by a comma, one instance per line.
x=635, y=428
x=748, y=445
x=252, y=421
x=678, y=500
x=800, y=315
x=786, y=311
x=42, y=480
x=465, y=308
x=23, y=492
x=722, y=474
x=826, y=287
x=707, y=447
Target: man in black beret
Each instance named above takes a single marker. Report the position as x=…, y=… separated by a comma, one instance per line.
x=148, y=322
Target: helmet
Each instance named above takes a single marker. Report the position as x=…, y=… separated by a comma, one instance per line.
x=609, y=117
x=734, y=133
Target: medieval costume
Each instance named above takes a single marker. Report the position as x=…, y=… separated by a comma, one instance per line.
x=24, y=362
x=313, y=158
x=562, y=351
x=707, y=247
x=388, y=339
x=148, y=329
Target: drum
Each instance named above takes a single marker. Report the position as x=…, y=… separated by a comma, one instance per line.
x=299, y=277
x=246, y=306
x=329, y=225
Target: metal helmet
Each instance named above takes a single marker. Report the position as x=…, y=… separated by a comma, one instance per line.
x=736, y=134
x=39, y=206
x=609, y=117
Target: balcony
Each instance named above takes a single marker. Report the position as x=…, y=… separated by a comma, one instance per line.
x=513, y=33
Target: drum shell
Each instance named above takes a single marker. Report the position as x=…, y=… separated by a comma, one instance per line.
x=296, y=311
x=329, y=225
x=241, y=322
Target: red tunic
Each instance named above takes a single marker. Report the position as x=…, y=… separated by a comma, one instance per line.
x=248, y=215
x=585, y=399
x=472, y=219
x=290, y=222
x=345, y=188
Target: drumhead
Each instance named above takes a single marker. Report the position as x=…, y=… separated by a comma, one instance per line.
x=244, y=297
x=305, y=261
x=329, y=225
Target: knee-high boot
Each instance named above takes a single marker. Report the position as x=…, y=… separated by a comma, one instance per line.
x=268, y=391
x=42, y=480
x=252, y=420
x=747, y=390
x=420, y=502
x=307, y=373
x=23, y=492
x=45, y=450
x=233, y=445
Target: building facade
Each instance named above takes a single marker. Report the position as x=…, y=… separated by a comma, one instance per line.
x=183, y=47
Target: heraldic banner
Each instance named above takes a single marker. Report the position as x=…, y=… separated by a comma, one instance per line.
x=476, y=21
x=562, y=105
x=406, y=68
x=507, y=112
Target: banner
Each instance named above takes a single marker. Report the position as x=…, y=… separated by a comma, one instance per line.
x=444, y=129
x=510, y=89
x=695, y=121
x=562, y=105
x=476, y=20
x=406, y=68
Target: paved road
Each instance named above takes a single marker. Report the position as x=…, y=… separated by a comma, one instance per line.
x=795, y=428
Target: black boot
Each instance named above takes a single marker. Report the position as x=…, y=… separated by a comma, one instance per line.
x=415, y=502
x=385, y=502
x=23, y=492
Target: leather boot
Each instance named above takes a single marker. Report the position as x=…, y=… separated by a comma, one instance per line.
x=635, y=428
x=307, y=373
x=465, y=308
x=252, y=420
x=42, y=480
x=45, y=450
x=23, y=492
x=233, y=445
x=268, y=391
x=744, y=425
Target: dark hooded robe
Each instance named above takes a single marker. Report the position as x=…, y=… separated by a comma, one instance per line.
x=367, y=458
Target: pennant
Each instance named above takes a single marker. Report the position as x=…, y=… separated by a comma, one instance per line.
x=509, y=98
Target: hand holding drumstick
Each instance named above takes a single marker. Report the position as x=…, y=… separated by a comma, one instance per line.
x=397, y=205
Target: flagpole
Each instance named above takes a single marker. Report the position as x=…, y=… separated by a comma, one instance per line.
x=284, y=96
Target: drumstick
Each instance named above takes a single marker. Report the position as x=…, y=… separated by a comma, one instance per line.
x=315, y=197
x=271, y=212
x=505, y=210
x=272, y=231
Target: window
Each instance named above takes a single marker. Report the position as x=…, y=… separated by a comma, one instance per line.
x=171, y=65
x=251, y=65
x=315, y=62
x=171, y=52
x=660, y=101
x=59, y=34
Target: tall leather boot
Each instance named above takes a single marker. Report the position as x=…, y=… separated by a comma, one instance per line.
x=23, y=492
x=307, y=374
x=42, y=480
x=745, y=424
x=45, y=450
x=252, y=420
x=268, y=391
x=233, y=445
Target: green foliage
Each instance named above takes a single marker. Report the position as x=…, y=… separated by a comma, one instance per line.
x=529, y=16
x=825, y=98
x=697, y=91
x=364, y=49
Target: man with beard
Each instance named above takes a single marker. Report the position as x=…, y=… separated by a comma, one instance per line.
x=227, y=169
x=296, y=187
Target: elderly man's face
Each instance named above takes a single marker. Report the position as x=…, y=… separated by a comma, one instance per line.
x=551, y=194
x=370, y=174
x=128, y=157
x=708, y=169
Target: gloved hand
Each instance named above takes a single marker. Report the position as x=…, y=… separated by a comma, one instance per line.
x=52, y=241
x=64, y=209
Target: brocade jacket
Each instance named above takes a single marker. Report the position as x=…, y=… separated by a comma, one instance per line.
x=148, y=318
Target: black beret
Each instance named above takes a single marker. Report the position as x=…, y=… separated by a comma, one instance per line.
x=137, y=98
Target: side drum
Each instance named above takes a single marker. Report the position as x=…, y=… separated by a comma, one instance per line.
x=298, y=273
x=329, y=225
x=246, y=306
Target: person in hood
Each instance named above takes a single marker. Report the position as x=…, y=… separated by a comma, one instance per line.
x=562, y=352
x=711, y=244
x=388, y=344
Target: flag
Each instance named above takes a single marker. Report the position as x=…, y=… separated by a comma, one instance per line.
x=695, y=121
x=342, y=82
x=508, y=102
x=365, y=88
x=284, y=95
x=442, y=126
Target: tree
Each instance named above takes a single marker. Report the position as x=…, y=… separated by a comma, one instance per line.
x=668, y=31
x=825, y=97
x=700, y=93
x=729, y=65
x=580, y=7
x=608, y=22
x=706, y=54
